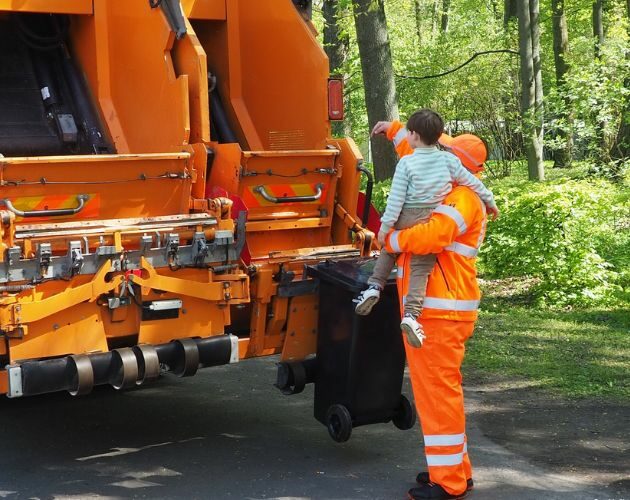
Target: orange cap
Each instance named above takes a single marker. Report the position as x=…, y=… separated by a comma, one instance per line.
x=471, y=150
x=445, y=140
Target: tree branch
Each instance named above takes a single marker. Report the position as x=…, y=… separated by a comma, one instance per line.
x=474, y=56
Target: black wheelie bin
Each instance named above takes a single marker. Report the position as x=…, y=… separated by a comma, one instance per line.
x=360, y=359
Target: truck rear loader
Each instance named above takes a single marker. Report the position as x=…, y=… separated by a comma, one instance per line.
x=167, y=175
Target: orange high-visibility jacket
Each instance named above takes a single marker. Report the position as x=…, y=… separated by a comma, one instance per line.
x=455, y=232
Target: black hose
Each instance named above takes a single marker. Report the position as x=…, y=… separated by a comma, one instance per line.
x=220, y=119
x=86, y=111
x=39, y=41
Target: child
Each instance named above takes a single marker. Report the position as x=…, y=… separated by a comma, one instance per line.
x=421, y=182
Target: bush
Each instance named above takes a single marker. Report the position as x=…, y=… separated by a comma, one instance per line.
x=573, y=236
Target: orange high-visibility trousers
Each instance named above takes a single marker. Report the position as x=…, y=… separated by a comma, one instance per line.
x=437, y=388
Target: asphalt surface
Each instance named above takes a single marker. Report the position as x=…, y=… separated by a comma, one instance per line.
x=228, y=433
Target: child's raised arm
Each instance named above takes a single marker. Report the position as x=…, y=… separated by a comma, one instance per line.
x=463, y=177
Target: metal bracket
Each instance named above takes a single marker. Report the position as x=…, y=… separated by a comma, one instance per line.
x=241, y=221
x=14, y=254
x=74, y=259
x=234, y=355
x=145, y=244
x=15, y=381
x=199, y=249
x=172, y=249
x=44, y=255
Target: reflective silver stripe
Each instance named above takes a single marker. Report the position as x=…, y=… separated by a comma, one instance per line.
x=393, y=242
x=400, y=136
x=454, y=459
x=466, y=154
x=465, y=447
x=461, y=249
x=450, y=304
x=400, y=272
x=454, y=214
x=444, y=439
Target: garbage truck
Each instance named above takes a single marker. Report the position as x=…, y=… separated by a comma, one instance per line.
x=169, y=193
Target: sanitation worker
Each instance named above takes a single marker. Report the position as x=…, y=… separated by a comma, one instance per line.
x=454, y=232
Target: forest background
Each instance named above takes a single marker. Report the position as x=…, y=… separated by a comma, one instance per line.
x=547, y=86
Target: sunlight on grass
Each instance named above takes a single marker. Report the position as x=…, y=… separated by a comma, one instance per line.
x=579, y=354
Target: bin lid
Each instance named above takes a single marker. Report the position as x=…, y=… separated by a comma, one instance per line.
x=351, y=274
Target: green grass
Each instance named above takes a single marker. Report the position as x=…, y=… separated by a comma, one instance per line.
x=576, y=353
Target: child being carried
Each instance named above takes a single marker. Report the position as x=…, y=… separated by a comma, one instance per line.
x=421, y=182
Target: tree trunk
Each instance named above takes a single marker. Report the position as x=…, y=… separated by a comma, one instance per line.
x=603, y=143
x=378, y=78
x=446, y=5
x=531, y=97
x=562, y=157
x=509, y=11
x=336, y=47
x=560, y=40
x=621, y=149
x=598, y=26
x=434, y=17
x=418, y=9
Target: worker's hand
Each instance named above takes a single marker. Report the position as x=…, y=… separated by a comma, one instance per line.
x=494, y=212
x=381, y=128
x=381, y=237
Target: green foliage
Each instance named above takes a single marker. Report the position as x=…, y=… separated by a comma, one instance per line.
x=572, y=236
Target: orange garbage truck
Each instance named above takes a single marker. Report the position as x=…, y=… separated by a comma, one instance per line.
x=167, y=180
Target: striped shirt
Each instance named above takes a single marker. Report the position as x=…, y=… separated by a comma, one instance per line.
x=424, y=178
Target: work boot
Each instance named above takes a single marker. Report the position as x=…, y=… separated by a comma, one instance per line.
x=432, y=491
x=423, y=478
x=413, y=330
x=367, y=299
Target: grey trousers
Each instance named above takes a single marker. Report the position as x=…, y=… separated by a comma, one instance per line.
x=421, y=265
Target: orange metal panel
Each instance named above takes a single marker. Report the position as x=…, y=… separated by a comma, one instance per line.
x=124, y=185
x=126, y=54
x=48, y=6
x=348, y=186
x=301, y=338
x=76, y=330
x=272, y=74
x=197, y=318
x=4, y=382
x=190, y=59
x=225, y=170
x=204, y=9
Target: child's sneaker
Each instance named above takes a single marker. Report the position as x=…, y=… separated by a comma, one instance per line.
x=413, y=330
x=367, y=299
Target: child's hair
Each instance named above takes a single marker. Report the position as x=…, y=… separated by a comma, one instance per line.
x=427, y=124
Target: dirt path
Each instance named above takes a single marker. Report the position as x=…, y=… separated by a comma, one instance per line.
x=578, y=446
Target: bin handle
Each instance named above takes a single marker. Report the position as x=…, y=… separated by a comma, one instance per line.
x=57, y=212
x=289, y=199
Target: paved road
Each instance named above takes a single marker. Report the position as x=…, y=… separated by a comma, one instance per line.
x=227, y=433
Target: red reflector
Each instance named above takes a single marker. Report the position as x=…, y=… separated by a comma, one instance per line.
x=335, y=99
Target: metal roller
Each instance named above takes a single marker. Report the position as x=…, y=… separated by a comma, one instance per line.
x=82, y=374
x=148, y=363
x=124, y=372
x=292, y=376
x=187, y=358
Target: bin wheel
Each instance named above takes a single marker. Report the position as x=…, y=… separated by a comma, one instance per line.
x=339, y=423
x=405, y=417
